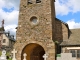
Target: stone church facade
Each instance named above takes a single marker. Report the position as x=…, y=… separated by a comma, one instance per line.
x=35, y=30
x=39, y=32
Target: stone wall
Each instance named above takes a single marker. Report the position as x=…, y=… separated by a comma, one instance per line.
x=39, y=33
x=66, y=56
x=61, y=30
x=58, y=31
x=65, y=31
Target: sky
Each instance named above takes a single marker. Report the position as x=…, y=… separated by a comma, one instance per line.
x=66, y=10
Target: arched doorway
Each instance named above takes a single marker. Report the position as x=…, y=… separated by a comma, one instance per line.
x=34, y=52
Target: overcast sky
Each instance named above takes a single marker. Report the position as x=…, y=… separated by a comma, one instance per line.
x=66, y=10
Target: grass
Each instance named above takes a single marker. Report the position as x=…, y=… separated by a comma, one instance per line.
x=10, y=59
x=0, y=53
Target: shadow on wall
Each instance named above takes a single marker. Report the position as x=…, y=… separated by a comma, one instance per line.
x=60, y=33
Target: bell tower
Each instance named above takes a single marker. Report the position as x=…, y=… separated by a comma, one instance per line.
x=36, y=25
x=37, y=13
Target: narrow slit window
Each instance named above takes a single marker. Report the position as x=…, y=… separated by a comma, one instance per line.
x=38, y=1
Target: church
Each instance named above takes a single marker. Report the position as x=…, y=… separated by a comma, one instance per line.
x=39, y=32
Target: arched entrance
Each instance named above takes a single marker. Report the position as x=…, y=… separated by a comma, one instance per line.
x=34, y=52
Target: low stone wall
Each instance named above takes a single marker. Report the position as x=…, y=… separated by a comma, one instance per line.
x=66, y=56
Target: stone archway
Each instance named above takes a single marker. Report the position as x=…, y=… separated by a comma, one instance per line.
x=34, y=52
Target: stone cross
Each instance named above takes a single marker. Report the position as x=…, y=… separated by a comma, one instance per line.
x=14, y=52
x=24, y=56
x=45, y=57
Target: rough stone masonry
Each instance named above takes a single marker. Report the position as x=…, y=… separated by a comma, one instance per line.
x=36, y=27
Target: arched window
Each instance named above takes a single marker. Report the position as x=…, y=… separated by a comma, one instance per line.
x=38, y=1
x=29, y=1
x=4, y=40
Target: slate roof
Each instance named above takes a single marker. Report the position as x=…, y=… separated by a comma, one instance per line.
x=74, y=38
x=9, y=36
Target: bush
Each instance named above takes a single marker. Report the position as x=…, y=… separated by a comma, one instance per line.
x=58, y=55
x=7, y=53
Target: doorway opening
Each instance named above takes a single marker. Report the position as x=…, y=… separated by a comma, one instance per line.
x=34, y=52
